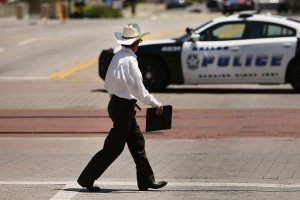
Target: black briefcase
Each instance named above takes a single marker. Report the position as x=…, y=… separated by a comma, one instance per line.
x=156, y=122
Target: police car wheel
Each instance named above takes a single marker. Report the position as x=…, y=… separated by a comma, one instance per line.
x=294, y=75
x=154, y=74
x=295, y=78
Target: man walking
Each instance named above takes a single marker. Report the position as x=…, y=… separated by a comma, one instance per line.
x=124, y=83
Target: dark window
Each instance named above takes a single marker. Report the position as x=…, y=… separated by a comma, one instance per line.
x=268, y=30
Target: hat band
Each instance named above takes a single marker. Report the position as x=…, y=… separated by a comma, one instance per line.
x=129, y=37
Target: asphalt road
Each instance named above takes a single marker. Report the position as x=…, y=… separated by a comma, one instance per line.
x=38, y=51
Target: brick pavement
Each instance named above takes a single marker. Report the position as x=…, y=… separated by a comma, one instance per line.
x=220, y=161
x=203, y=146
x=205, y=159
x=191, y=124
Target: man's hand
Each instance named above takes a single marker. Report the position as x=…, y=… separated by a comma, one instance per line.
x=159, y=109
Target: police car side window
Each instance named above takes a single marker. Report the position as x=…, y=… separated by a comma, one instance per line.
x=225, y=31
x=258, y=30
x=274, y=30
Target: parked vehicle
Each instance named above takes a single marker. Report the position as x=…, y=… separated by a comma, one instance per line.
x=214, y=5
x=267, y=4
x=230, y=6
x=243, y=48
x=281, y=6
x=285, y=6
x=175, y=3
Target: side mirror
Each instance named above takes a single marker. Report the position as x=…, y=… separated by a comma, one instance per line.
x=195, y=37
x=189, y=30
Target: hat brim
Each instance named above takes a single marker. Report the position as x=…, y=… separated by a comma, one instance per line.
x=123, y=41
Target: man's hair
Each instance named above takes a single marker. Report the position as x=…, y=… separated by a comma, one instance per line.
x=132, y=45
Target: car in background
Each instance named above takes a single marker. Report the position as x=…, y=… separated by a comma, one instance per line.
x=285, y=6
x=231, y=6
x=175, y=3
x=77, y=9
x=267, y=4
x=245, y=48
x=281, y=6
x=214, y=5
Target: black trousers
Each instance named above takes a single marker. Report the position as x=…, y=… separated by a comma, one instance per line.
x=125, y=130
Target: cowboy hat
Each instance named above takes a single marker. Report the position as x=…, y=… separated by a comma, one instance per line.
x=131, y=33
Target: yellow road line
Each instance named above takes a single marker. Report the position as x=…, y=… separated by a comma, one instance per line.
x=62, y=74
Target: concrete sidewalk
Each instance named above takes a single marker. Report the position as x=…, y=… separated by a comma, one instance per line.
x=248, y=168
x=46, y=94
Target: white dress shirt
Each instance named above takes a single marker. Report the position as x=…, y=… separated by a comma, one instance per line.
x=124, y=78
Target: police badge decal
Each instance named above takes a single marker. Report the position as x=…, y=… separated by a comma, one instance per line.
x=192, y=61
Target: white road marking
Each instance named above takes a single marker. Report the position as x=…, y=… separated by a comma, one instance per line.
x=70, y=188
x=25, y=42
x=176, y=184
x=64, y=193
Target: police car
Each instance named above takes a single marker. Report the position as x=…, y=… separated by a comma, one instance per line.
x=243, y=48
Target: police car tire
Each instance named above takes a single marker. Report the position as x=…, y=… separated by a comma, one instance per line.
x=295, y=78
x=154, y=74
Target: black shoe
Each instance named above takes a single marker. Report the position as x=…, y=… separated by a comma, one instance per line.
x=93, y=188
x=153, y=185
x=89, y=187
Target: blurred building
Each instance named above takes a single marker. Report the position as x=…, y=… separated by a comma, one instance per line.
x=47, y=8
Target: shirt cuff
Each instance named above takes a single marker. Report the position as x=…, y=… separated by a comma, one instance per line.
x=153, y=101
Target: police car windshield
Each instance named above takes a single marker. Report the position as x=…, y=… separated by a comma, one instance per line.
x=187, y=36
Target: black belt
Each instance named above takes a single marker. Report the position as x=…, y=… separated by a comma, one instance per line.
x=133, y=101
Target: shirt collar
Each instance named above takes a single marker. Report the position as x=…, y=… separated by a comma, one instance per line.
x=129, y=51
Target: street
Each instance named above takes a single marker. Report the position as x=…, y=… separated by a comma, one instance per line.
x=238, y=168
x=227, y=141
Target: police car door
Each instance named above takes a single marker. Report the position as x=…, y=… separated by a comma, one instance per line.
x=267, y=52
x=212, y=58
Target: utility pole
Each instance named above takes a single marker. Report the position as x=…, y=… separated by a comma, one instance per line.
x=133, y=7
x=69, y=7
x=34, y=11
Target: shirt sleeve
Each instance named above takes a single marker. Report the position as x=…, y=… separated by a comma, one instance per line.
x=134, y=83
